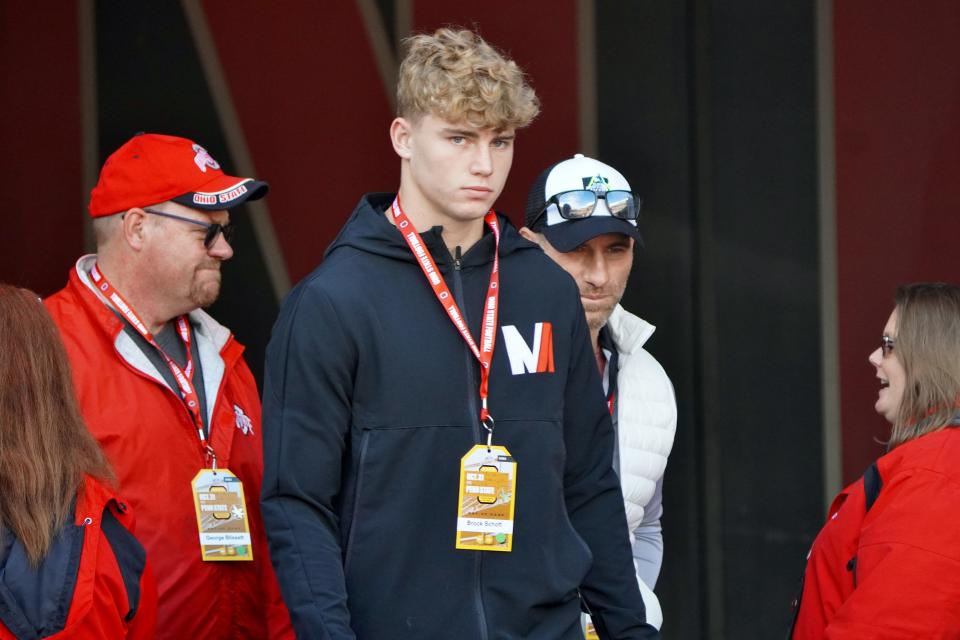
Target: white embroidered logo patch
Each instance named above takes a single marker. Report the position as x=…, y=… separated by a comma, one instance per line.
x=244, y=423
x=203, y=159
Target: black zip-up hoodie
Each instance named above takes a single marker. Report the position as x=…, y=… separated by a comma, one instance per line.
x=370, y=401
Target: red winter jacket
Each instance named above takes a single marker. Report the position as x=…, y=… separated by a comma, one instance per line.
x=892, y=571
x=93, y=583
x=149, y=438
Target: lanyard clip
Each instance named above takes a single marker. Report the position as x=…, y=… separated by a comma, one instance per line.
x=212, y=459
x=487, y=423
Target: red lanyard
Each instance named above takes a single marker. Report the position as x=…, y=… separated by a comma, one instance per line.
x=602, y=364
x=182, y=376
x=488, y=331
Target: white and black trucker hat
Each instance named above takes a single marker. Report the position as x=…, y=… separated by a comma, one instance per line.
x=579, y=173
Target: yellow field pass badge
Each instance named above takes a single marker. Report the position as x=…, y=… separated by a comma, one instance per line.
x=221, y=516
x=488, y=490
x=591, y=632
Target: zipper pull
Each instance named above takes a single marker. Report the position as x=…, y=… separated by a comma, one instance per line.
x=456, y=258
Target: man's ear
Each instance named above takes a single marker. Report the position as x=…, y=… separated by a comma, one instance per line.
x=133, y=226
x=532, y=236
x=401, y=131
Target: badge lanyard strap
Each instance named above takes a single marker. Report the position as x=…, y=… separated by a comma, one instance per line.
x=187, y=392
x=488, y=331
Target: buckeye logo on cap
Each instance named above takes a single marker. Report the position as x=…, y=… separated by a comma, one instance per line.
x=204, y=159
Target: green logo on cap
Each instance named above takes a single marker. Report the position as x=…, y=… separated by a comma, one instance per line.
x=598, y=184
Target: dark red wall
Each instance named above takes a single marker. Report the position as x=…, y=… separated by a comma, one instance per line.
x=316, y=115
x=897, y=96
x=41, y=201
x=310, y=101
x=314, y=111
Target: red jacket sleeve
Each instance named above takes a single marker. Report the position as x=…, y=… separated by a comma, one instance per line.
x=908, y=566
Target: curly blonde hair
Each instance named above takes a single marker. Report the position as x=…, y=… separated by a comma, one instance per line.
x=457, y=76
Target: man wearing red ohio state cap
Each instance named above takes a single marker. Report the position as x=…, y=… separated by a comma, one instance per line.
x=164, y=387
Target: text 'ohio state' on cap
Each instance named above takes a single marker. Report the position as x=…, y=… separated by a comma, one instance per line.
x=576, y=173
x=151, y=168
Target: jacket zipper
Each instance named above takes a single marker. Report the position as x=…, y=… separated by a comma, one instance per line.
x=212, y=409
x=471, y=376
x=474, y=412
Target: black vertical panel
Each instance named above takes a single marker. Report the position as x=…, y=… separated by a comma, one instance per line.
x=149, y=78
x=708, y=108
x=766, y=288
x=644, y=115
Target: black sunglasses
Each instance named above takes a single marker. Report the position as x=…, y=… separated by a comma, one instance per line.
x=581, y=203
x=214, y=229
x=886, y=345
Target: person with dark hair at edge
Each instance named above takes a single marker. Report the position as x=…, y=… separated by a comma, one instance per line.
x=437, y=447
x=584, y=215
x=164, y=387
x=70, y=566
x=887, y=562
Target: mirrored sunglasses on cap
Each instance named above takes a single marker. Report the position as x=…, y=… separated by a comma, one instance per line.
x=581, y=203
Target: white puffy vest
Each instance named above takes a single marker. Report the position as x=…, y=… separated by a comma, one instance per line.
x=646, y=413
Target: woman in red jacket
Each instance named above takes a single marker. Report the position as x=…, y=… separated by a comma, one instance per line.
x=887, y=562
x=69, y=566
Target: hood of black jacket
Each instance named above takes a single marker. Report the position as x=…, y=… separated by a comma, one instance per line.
x=369, y=230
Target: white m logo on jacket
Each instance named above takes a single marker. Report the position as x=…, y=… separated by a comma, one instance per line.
x=524, y=359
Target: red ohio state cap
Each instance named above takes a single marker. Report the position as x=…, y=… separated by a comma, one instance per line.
x=151, y=168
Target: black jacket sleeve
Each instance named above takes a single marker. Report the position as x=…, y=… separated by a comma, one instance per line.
x=595, y=501
x=306, y=422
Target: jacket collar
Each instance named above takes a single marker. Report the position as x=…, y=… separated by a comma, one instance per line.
x=202, y=322
x=628, y=331
x=368, y=230
x=215, y=344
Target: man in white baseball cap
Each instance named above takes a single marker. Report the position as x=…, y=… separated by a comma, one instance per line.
x=583, y=214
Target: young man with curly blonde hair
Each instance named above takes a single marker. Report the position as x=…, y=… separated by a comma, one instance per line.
x=437, y=445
